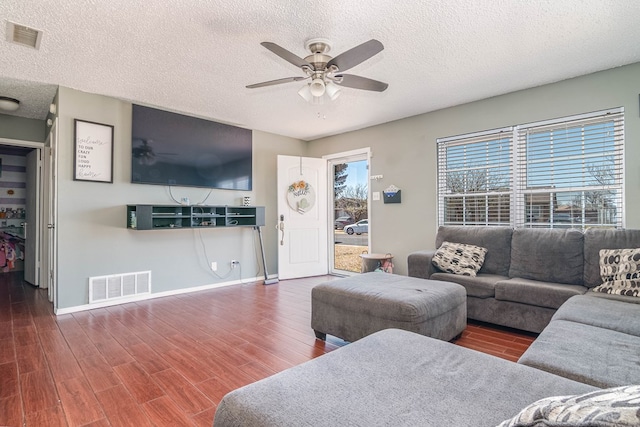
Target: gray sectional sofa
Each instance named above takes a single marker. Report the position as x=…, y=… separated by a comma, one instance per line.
x=531, y=279
x=400, y=378
x=527, y=273
x=393, y=378
x=592, y=338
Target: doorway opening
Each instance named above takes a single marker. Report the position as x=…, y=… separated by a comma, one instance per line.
x=349, y=217
x=19, y=210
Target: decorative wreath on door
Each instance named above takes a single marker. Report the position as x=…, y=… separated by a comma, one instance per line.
x=301, y=196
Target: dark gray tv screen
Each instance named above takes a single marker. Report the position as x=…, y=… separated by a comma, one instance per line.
x=173, y=149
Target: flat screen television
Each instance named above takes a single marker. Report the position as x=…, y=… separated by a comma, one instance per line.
x=173, y=149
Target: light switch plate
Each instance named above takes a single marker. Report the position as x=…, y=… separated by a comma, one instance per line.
x=376, y=195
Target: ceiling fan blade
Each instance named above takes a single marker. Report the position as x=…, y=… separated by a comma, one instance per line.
x=286, y=55
x=356, y=55
x=357, y=82
x=276, y=82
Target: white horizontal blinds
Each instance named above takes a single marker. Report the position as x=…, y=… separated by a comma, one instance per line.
x=571, y=172
x=475, y=179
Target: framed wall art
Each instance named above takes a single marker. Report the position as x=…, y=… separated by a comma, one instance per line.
x=93, y=152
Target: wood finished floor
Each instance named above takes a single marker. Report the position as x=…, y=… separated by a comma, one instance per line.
x=166, y=361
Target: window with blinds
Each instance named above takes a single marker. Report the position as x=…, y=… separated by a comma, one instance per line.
x=571, y=172
x=475, y=178
x=563, y=173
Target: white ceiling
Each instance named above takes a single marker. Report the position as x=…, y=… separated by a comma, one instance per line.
x=196, y=57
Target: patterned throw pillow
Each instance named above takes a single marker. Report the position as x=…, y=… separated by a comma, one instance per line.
x=620, y=272
x=619, y=406
x=458, y=258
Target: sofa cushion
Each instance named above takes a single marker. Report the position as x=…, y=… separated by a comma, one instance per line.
x=603, y=408
x=497, y=241
x=596, y=239
x=629, y=288
x=547, y=255
x=620, y=272
x=622, y=298
x=481, y=286
x=588, y=354
x=459, y=258
x=419, y=264
x=533, y=292
x=591, y=309
x=618, y=264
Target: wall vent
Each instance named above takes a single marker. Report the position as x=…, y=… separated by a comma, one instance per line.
x=118, y=286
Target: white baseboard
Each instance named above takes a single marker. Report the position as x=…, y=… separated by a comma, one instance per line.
x=85, y=307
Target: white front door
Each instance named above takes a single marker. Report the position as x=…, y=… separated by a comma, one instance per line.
x=302, y=217
x=32, y=220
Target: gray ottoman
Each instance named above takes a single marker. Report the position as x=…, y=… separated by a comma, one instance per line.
x=357, y=306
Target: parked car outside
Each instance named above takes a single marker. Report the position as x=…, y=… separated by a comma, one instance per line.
x=359, y=227
x=341, y=221
x=562, y=217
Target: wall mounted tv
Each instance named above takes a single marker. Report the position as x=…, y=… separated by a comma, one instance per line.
x=172, y=149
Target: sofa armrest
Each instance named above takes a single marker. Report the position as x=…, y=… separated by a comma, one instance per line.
x=420, y=265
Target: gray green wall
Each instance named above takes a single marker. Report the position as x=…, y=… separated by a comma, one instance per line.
x=404, y=151
x=91, y=224
x=93, y=240
x=12, y=127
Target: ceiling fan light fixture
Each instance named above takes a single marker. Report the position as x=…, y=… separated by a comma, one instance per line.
x=324, y=71
x=317, y=87
x=9, y=104
x=333, y=90
x=305, y=93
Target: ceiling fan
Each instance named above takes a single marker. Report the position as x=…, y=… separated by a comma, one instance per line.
x=327, y=73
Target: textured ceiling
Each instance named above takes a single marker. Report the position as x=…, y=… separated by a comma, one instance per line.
x=196, y=57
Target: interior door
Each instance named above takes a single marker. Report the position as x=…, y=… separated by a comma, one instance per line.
x=302, y=217
x=48, y=246
x=44, y=220
x=32, y=220
x=52, y=207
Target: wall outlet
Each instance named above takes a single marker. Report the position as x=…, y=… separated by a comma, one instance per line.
x=234, y=263
x=214, y=266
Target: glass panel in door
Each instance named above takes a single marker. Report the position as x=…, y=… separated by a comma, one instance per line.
x=350, y=214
